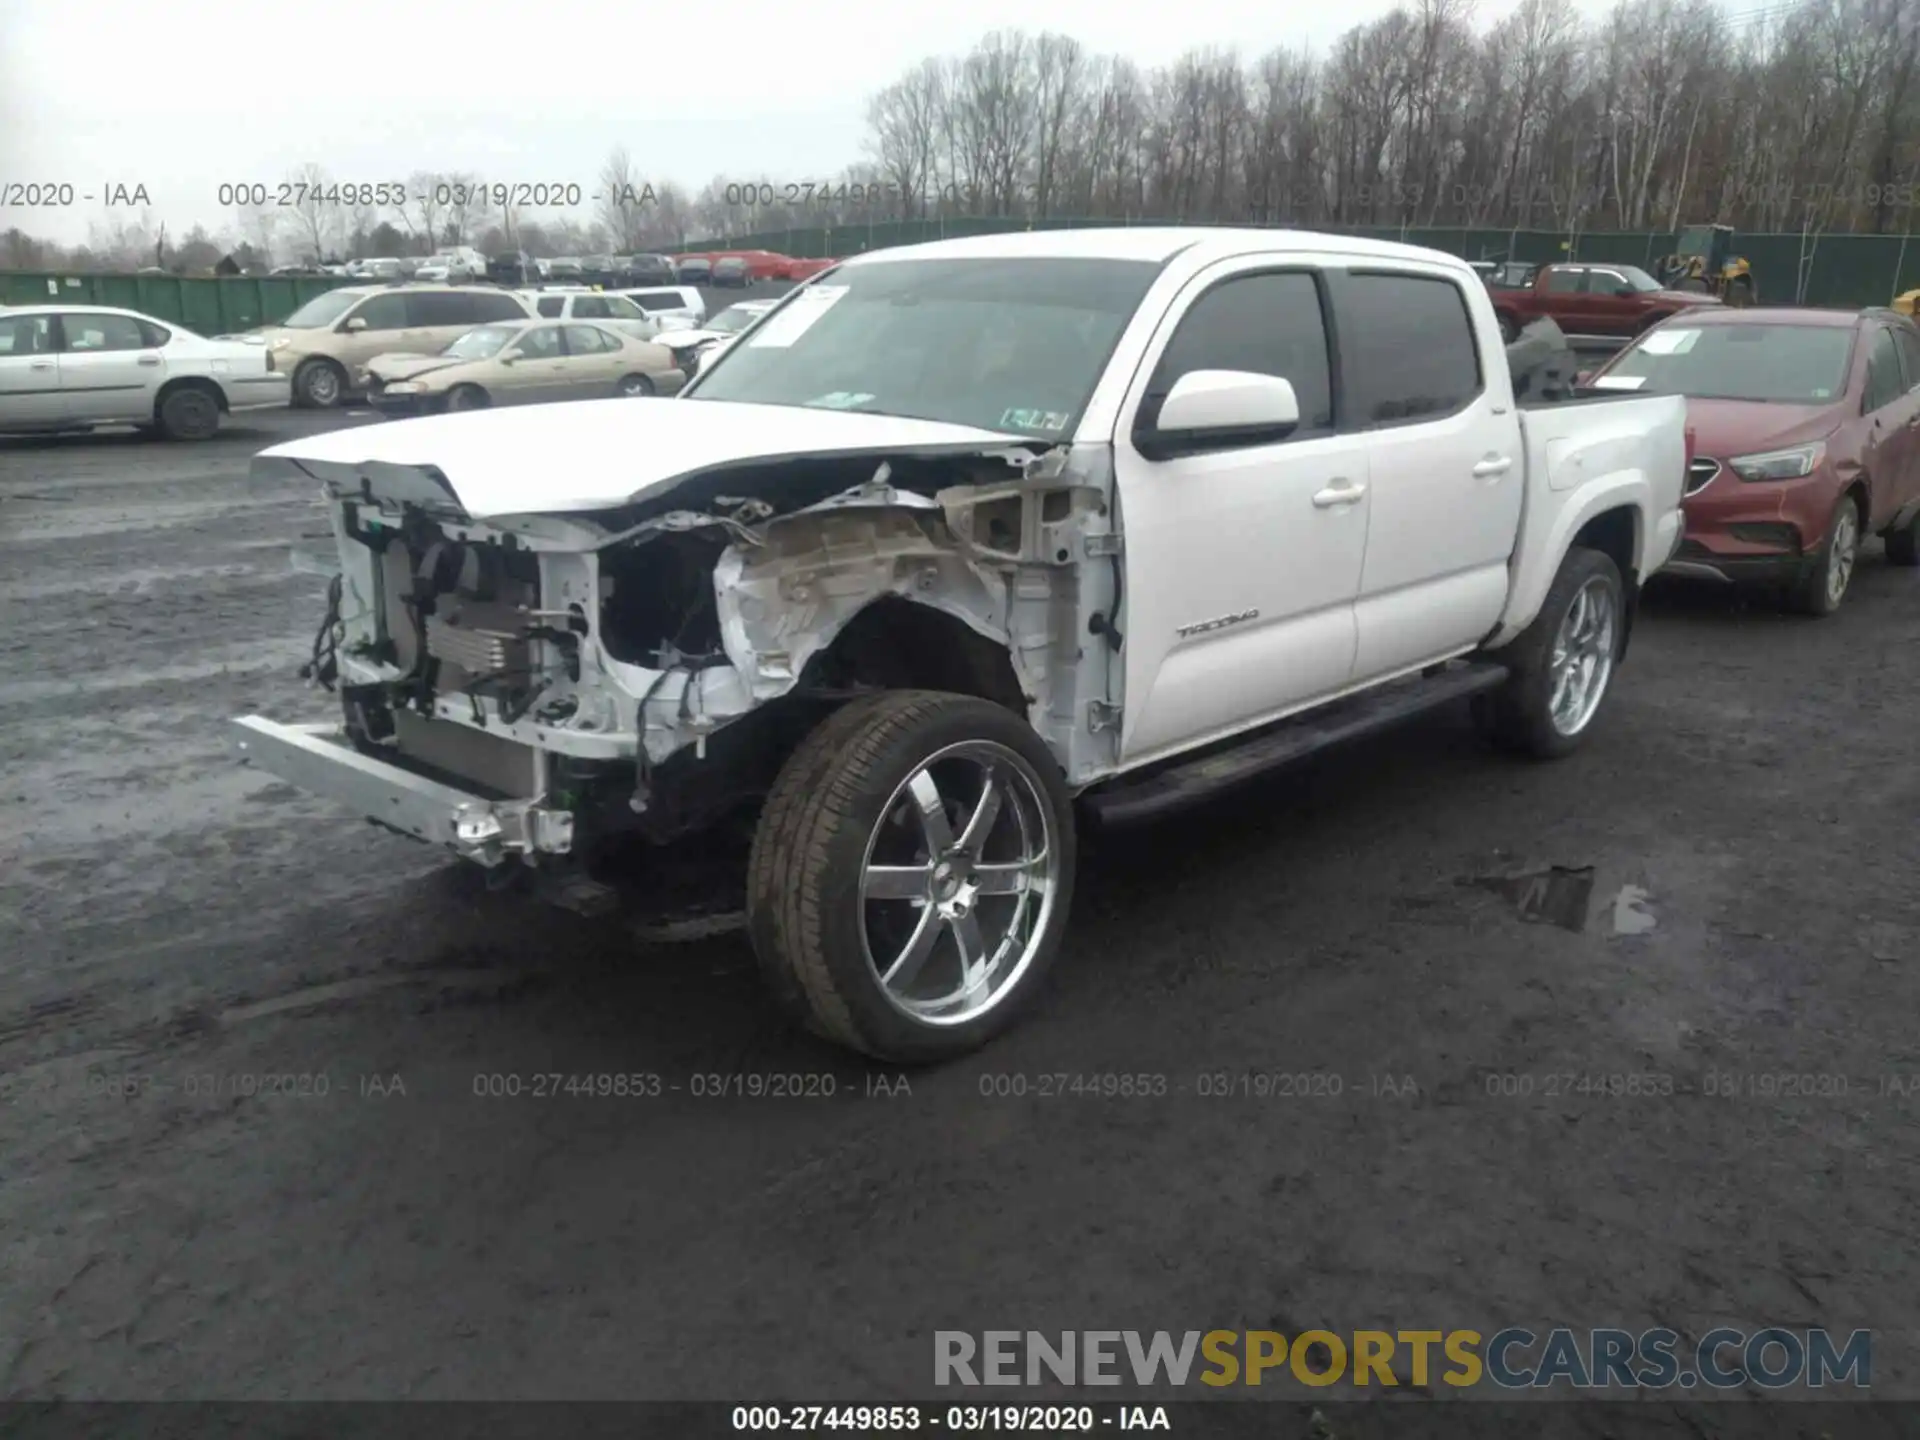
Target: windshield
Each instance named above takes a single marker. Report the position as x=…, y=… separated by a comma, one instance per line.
x=734, y=319
x=1771, y=364
x=322, y=310
x=1011, y=345
x=479, y=344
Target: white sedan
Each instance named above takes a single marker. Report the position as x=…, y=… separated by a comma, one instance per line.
x=71, y=367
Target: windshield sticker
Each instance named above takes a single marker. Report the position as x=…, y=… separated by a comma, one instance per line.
x=841, y=400
x=1669, y=342
x=1618, y=382
x=1033, y=420
x=799, y=316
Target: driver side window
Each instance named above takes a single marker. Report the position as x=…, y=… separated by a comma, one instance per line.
x=1884, y=381
x=1270, y=324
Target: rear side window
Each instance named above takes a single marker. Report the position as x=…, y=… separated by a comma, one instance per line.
x=1406, y=348
x=1269, y=324
x=89, y=333
x=1884, y=381
x=552, y=306
x=1564, y=282
x=489, y=308
x=154, y=335
x=588, y=340
x=441, y=308
x=660, y=300
x=591, y=307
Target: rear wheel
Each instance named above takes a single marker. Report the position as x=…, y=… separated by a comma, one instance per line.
x=1562, y=664
x=1824, y=585
x=467, y=397
x=635, y=385
x=911, y=874
x=188, y=412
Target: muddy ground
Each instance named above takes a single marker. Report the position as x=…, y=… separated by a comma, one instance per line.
x=177, y=925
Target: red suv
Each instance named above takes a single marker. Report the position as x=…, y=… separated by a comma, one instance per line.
x=1806, y=436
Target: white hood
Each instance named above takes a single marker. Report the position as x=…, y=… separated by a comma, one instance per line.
x=595, y=454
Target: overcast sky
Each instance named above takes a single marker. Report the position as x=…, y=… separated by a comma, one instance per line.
x=182, y=95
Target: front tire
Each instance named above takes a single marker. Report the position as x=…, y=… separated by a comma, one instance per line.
x=1823, y=587
x=467, y=397
x=319, y=385
x=1562, y=664
x=911, y=874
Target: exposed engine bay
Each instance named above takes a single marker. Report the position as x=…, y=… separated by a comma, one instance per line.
x=647, y=669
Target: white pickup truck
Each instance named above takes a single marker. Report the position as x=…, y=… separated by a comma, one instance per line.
x=957, y=547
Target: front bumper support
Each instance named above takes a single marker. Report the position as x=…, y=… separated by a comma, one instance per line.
x=321, y=760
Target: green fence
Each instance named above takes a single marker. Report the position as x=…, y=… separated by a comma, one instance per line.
x=209, y=306
x=1845, y=270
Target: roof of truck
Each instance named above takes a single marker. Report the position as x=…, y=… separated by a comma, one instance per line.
x=1157, y=243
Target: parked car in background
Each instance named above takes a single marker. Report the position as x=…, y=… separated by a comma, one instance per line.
x=563, y=267
x=676, y=307
x=380, y=267
x=1806, y=429
x=71, y=367
x=645, y=270
x=515, y=268
x=325, y=344
x=866, y=587
x=461, y=263
x=693, y=270
x=521, y=364
x=688, y=345
x=1510, y=274
x=806, y=269
x=731, y=271
x=614, y=311
x=1591, y=302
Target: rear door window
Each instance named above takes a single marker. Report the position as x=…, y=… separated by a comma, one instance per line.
x=1406, y=348
x=1565, y=280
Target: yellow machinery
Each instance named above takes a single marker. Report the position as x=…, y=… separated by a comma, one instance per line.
x=1704, y=262
x=1906, y=301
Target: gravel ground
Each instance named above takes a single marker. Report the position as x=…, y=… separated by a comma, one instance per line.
x=178, y=925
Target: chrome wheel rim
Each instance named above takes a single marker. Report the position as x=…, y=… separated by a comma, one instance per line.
x=958, y=883
x=1582, y=661
x=632, y=386
x=1842, y=552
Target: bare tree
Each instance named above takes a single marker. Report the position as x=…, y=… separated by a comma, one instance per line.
x=313, y=217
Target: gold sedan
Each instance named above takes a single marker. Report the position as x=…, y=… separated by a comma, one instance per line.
x=522, y=364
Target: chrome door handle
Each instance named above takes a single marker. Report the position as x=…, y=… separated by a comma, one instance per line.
x=1343, y=492
x=149, y=360
x=1493, y=467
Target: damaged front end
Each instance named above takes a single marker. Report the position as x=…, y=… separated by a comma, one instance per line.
x=527, y=685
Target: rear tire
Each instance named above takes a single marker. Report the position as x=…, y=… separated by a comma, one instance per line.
x=188, y=412
x=865, y=863
x=635, y=385
x=1824, y=587
x=1561, y=666
x=467, y=397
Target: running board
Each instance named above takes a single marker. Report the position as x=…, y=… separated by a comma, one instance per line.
x=1184, y=782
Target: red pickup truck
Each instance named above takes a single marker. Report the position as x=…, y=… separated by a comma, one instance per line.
x=1615, y=301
